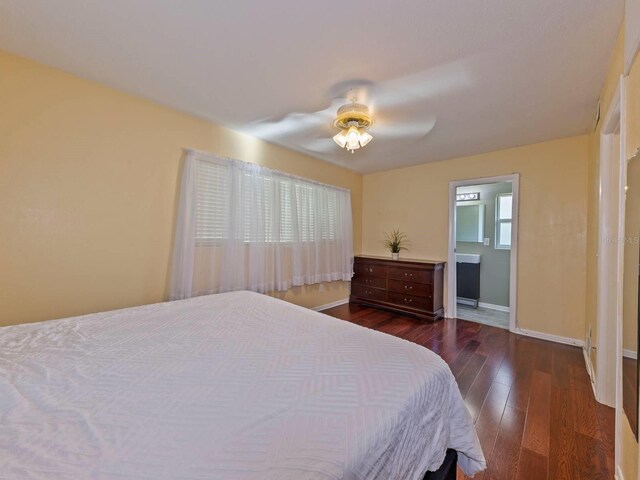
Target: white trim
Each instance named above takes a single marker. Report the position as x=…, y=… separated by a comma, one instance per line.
x=608, y=254
x=619, y=475
x=615, y=369
x=337, y=303
x=466, y=301
x=550, y=337
x=514, y=179
x=589, y=365
x=629, y=354
x=491, y=306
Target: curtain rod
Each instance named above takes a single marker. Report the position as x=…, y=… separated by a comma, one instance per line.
x=279, y=172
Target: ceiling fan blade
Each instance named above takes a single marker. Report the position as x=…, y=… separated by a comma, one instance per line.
x=404, y=129
x=405, y=91
x=321, y=145
x=294, y=124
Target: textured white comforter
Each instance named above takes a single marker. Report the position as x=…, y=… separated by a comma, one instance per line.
x=230, y=386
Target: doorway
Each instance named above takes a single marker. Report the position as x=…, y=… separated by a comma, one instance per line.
x=483, y=221
x=608, y=330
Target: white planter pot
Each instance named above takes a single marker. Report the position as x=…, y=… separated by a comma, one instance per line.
x=395, y=256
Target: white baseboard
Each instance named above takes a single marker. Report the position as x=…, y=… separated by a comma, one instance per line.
x=330, y=305
x=550, y=337
x=619, y=475
x=630, y=354
x=467, y=301
x=491, y=306
x=590, y=372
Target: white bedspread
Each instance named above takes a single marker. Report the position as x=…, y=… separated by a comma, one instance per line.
x=230, y=386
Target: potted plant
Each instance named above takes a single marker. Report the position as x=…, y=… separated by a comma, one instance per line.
x=395, y=242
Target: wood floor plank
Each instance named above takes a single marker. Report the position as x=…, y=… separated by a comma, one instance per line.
x=504, y=459
x=531, y=400
x=469, y=373
x=585, y=418
x=532, y=465
x=479, y=389
x=463, y=357
x=562, y=435
x=594, y=463
x=538, y=424
x=606, y=423
x=490, y=416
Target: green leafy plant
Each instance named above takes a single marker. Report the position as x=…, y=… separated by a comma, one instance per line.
x=396, y=241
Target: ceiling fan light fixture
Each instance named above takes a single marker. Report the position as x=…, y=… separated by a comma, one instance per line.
x=353, y=119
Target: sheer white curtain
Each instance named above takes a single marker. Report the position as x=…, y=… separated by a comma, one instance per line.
x=241, y=226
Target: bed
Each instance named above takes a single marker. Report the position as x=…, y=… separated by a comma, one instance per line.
x=235, y=386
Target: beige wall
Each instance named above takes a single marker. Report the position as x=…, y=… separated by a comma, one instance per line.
x=632, y=106
x=553, y=210
x=88, y=179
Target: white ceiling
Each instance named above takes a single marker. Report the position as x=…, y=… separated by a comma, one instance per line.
x=491, y=73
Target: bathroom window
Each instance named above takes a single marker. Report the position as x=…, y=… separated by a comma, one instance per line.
x=503, y=221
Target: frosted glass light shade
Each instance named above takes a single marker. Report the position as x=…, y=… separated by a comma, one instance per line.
x=340, y=139
x=365, y=137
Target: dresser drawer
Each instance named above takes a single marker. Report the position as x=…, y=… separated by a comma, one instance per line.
x=370, y=293
x=370, y=269
x=411, y=275
x=376, y=282
x=410, y=288
x=411, y=301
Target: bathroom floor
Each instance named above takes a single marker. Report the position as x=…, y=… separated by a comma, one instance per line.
x=485, y=316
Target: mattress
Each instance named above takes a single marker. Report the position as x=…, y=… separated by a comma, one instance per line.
x=231, y=386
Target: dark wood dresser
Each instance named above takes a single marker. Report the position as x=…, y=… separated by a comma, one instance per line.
x=408, y=286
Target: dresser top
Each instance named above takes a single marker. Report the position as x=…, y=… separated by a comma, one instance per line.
x=402, y=260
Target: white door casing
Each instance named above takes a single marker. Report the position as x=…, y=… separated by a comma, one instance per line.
x=514, y=179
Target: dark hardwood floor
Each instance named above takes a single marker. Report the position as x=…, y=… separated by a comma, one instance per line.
x=531, y=400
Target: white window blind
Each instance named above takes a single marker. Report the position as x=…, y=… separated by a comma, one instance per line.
x=243, y=226
x=212, y=202
x=278, y=204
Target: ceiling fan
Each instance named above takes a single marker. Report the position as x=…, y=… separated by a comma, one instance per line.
x=358, y=112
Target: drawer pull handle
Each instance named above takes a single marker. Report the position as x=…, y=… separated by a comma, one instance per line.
x=370, y=270
x=408, y=287
x=408, y=274
x=408, y=300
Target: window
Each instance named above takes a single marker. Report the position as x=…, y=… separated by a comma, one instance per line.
x=273, y=207
x=241, y=226
x=503, y=220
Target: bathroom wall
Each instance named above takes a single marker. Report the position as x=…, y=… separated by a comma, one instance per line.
x=494, y=263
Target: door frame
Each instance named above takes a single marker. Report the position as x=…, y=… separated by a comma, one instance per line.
x=609, y=253
x=514, y=179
